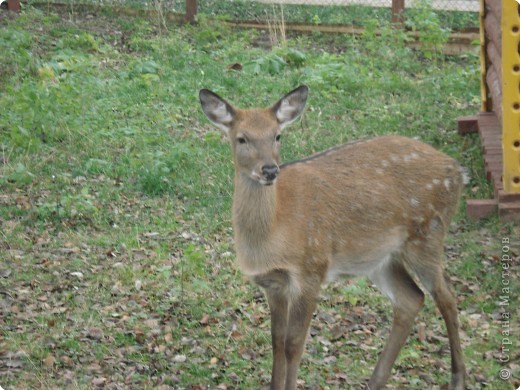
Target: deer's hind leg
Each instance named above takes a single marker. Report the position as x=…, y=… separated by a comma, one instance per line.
x=425, y=258
x=393, y=279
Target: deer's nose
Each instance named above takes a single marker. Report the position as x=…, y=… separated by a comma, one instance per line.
x=270, y=171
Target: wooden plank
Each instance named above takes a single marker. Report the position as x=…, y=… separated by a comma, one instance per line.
x=494, y=159
x=508, y=197
x=490, y=151
x=495, y=58
x=481, y=208
x=467, y=124
x=509, y=212
x=491, y=143
x=493, y=31
x=494, y=167
x=191, y=10
x=485, y=102
x=398, y=12
x=14, y=5
x=506, y=204
x=490, y=132
x=494, y=7
x=495, y=91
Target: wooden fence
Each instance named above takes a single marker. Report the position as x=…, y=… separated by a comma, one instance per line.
x=397, y=7
x=397, y=10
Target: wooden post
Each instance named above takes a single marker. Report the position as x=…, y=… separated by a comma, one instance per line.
x=484, y=90
x=191, y=10
x=14, y=5
x=511, y=95
x=398, y=12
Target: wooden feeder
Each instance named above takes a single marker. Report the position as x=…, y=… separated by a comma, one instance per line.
x=498, y=123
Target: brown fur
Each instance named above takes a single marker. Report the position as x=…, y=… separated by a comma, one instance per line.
x=375, y=208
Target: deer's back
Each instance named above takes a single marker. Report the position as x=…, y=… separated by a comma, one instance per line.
x=374, y=184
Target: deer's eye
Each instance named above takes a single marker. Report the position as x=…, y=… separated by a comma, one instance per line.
x=241, y=140
x=278, y=137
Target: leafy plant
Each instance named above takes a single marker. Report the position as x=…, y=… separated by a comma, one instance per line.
x=276, y=62
x=423, y=20
x=271, y=64
x=70, y=207
x=20, y=176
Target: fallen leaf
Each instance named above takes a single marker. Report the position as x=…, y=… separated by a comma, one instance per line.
x=67, y=361
x=204, y=320
x=49, y=361
x=330, y=359
x=236, y=335
x=99, y=382
x=236, y=66
x=23, y=202
x=95, y=333
x=43, y=298
x=140, y=335
x=421, y=332
x=179, y=359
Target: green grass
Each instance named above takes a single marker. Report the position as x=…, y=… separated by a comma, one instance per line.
x=117, y=260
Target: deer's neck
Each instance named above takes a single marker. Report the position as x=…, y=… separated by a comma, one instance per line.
x=254, y=208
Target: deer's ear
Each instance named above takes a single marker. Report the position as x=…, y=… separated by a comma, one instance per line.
x=290, y=107
x=218, y=111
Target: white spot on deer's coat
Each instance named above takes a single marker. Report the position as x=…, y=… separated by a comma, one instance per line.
x=419, y=220
x=434, y=223
x=429, y=186
x=414, y=202
x=436, y=182
x=410, y=157
x=447, y=184
x=384, y=163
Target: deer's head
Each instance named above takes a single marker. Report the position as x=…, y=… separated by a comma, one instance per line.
x=255, y=134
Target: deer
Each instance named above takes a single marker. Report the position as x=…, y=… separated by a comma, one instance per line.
x=378, y=208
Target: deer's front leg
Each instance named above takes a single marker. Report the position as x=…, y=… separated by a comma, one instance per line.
x=292, y=302
x=278, y=305
x=300, y=315
x=275, y=284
